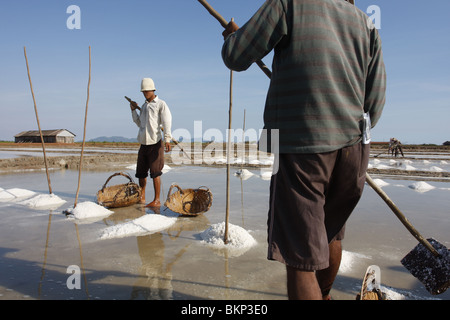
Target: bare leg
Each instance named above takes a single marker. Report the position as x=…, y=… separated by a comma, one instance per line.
x=302, y=285
x=142, y=184
x=307, y=285
x=327, y=276
x=157, y=187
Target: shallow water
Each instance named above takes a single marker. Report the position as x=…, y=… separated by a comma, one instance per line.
x=38, y=246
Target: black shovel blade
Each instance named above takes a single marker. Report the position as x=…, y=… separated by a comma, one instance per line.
x=432, y=271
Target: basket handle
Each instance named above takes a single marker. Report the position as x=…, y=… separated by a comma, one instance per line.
x=208, y=192
x=170, y=189
x=117, y=174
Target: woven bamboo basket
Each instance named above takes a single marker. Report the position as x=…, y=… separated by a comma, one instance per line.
x=122, y=195
x=189, y=202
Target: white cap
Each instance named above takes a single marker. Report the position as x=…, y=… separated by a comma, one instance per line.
x=147, y=84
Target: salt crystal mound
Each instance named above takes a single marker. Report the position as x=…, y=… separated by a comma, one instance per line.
x=421, y=186
x=88, y=210
x=409, y=168
x=380, y=183
x=244, y=174
x=147, y=224
x=239, y=240
x=44, y=202
x=15, y=193
x=266, y=174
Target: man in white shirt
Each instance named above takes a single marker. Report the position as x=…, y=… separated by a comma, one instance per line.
x=153, y=118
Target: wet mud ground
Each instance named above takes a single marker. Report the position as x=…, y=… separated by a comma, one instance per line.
x=38, y=247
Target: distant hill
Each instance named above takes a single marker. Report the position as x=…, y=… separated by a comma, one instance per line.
x=113, y=139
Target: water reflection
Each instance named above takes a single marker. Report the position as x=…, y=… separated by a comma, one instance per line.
x=44, y=264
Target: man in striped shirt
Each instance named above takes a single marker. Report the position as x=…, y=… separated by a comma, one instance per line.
x=328, y=83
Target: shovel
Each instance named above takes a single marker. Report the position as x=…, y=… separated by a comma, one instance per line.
x=429, y=261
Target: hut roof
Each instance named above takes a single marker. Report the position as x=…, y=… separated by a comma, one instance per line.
x=45, y=133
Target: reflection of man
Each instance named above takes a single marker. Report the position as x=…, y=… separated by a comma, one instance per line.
x=328, y=71
x=154, y=113
x=155, y=279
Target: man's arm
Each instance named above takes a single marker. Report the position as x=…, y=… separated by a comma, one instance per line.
x=166, y=121
x=256, y=38
x=375, y=96
x=134, y=106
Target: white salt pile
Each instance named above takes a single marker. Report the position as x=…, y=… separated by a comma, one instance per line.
x=239, y=239
x=266, y=174
x=244, y=174
x=15, y=193
x=44, y=202
x=39, y=201
x=392, y=162
x=421, y=186
x=88, y=210
x=410, y=168
x=147, y=224
x=436, y=169
x=380, y=182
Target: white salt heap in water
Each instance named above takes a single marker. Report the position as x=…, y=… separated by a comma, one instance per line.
x=147, y=224
x=87, y=210
x=421, y=186
x=238, y=237
x=44, y=201
x=380, y=182
x=39, y=201
x=243, y=173
x=15, y=193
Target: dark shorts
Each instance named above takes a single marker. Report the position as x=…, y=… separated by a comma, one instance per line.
x=150, y=157
x=311, y=198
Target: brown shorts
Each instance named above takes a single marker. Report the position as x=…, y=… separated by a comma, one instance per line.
x=150, y=157
x=311, y=198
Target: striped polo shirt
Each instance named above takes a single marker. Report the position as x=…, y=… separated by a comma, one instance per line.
x=327, y=71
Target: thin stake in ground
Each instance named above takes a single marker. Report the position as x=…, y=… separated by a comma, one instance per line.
x=84, y=133
x=39, y=125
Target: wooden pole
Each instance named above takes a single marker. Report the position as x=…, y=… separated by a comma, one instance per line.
x=230, y=113
x=39, y=125
x=84, y=133
x=243, y=143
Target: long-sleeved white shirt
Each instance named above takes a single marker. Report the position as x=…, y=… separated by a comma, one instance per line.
x=153, y=115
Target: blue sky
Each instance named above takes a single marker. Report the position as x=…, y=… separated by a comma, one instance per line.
x=178, y=44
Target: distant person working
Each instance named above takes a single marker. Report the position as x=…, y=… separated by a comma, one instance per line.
x=153, y=115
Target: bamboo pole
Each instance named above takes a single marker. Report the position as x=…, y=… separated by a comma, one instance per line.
x=230, y=113
x=39, y=125
x=243, y=142
x=84, y=132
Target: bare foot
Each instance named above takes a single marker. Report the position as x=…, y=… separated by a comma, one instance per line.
x=154, y=203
